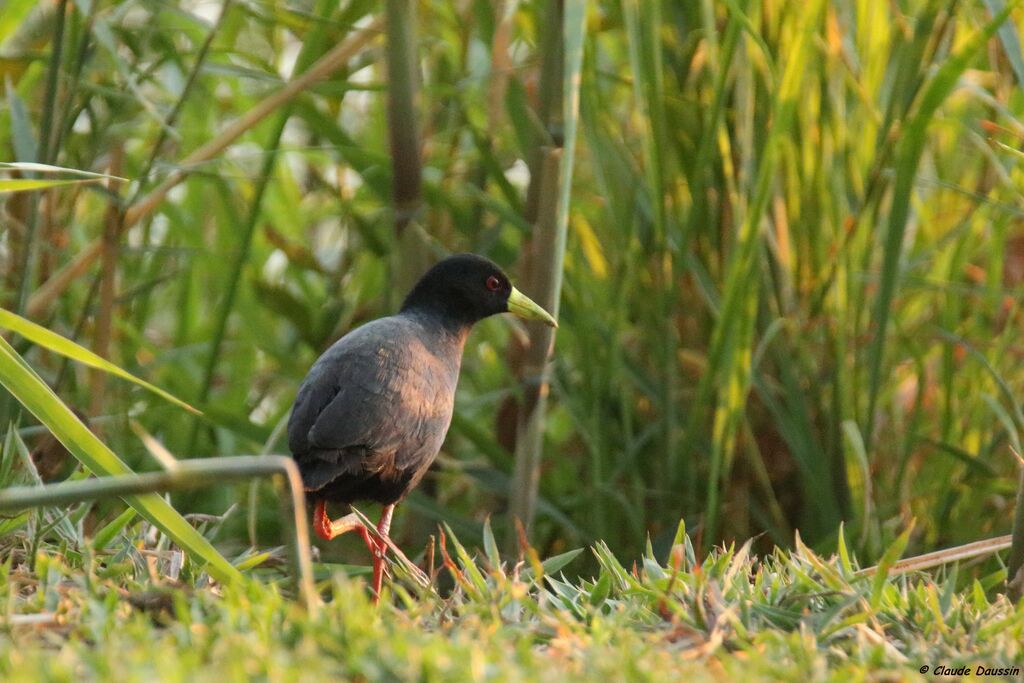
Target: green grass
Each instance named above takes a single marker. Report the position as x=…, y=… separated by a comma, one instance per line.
x=86, y=615
x=784, y=231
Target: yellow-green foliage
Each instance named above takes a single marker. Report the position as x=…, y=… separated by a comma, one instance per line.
x=792, y=282
x=733, y=616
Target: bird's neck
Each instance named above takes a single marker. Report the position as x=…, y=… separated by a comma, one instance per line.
x=448, y=325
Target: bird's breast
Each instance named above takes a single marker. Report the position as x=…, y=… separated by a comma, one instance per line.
x=428, y=389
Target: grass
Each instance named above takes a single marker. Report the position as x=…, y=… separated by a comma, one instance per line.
x=30, y=390
x=116, y=615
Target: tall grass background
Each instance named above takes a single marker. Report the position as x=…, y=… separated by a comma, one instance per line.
x=793, y=254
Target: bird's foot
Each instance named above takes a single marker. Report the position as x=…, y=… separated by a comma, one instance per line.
x=329, y=529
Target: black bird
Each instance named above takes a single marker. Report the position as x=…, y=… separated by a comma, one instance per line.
x=372, y=413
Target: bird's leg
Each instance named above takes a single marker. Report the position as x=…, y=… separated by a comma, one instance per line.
x=381, y=548
x=329, y=530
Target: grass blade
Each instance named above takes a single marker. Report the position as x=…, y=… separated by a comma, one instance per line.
x=49, y=168
x=29, y=389
x=8, y=185
x=908, y=156
x=69, y=349
x=731, y=344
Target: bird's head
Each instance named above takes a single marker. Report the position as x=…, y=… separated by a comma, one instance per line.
x=465, y=288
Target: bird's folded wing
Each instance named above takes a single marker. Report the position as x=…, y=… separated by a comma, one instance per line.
x=378, y=399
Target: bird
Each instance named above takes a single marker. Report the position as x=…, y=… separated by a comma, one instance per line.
x=372, y=413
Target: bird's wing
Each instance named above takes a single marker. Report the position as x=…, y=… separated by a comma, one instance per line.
x=378, y=394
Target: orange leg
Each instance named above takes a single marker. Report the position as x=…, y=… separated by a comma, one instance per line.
x=328, y=530
x=378, y=556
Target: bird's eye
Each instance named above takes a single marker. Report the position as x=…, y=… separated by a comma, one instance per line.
x=493, y=283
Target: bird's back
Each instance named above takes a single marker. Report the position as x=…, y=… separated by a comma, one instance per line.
x=374, y=409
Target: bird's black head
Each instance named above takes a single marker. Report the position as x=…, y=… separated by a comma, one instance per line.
x=465, y=288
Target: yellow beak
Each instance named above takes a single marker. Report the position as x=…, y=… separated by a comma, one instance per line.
x=521, y=305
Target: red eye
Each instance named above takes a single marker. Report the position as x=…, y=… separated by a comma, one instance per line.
x=493, y=283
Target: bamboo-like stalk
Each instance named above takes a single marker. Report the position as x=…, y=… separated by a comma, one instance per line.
x=107, y=285
x=411, y=256
x=533, y=371
x=190, y=474
x=540, y=211
x=546, y=270
x=547, y=135
x=403, y=127
x=74, y=79
x=30, y=244
x=549, y=113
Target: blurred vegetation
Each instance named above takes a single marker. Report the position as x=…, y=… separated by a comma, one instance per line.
x=793, y=271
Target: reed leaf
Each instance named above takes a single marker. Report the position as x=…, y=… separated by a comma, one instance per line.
x=29, y=389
